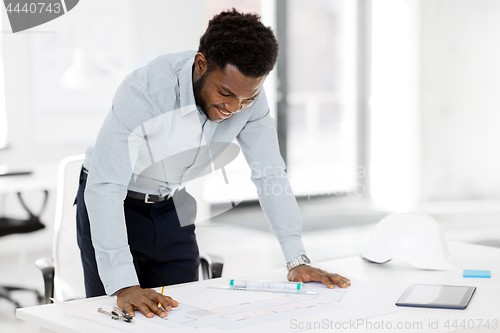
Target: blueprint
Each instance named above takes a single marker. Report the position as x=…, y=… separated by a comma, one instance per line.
x=218, y=309
x=233, y=309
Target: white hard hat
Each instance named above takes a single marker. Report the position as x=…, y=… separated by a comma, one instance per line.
x=411, y=236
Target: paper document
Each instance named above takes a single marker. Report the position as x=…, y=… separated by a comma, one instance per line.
x=218, y=309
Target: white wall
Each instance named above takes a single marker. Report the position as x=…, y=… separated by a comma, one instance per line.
x=435, y=106
x=460, y=85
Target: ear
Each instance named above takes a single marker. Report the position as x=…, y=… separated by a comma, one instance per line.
x=200, y=64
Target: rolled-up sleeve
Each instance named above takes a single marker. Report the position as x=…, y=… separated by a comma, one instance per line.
x=259, y=144
x=110, y=173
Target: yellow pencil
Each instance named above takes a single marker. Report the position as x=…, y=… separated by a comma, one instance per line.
x=162, y=290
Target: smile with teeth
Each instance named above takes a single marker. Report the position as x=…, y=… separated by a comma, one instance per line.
x=223, y=112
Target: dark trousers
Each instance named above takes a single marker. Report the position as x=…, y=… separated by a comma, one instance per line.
x=164, y=253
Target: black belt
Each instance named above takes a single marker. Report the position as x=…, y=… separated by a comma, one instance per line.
x=147, y=198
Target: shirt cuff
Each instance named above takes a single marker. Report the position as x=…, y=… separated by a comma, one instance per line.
x=119, y=278
x=292, y=247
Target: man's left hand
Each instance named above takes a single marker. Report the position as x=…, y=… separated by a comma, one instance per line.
x=305, y=273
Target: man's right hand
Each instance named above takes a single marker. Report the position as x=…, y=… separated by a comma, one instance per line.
x=144, y=300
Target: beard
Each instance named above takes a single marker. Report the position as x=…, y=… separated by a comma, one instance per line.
x=197, y=87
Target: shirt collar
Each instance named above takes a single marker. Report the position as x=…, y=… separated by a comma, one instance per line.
x=186, y=93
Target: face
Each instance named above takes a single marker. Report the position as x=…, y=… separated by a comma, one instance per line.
x=221, y=93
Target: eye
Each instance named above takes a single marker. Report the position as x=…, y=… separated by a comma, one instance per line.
x=224, y=94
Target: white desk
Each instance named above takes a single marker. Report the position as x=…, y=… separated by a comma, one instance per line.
x=398, y=275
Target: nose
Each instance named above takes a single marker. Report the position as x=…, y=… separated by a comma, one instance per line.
x=234, y=106
x=237, y=105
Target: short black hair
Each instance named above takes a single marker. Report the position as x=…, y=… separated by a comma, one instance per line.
x=240, y=40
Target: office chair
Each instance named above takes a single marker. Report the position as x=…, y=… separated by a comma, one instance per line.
x=10, y=226
x=63, y=273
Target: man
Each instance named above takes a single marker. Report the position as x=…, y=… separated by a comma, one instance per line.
x=169, y=121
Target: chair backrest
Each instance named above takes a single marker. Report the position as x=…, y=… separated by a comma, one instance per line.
x=68, y=277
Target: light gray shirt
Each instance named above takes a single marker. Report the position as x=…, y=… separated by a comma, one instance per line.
x=155, y=140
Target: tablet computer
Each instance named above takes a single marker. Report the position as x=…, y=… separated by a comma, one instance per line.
x=436, y=296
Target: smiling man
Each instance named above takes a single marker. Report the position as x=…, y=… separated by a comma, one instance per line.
x=135, y=221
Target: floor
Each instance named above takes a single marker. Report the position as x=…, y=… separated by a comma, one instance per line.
x=248, y=245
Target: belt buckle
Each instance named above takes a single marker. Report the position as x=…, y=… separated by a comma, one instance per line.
x=146, y=199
